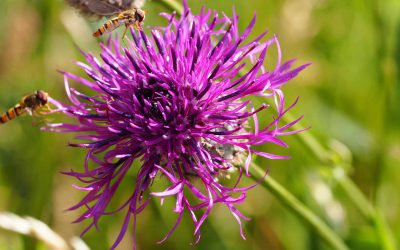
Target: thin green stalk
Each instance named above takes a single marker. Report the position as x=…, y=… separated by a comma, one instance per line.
x=291, y=202
x=386, y=236
x=366, y=209
x=357, y=197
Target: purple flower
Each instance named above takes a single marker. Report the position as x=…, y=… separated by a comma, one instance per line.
x=177, y=101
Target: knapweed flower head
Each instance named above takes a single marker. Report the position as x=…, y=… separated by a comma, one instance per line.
x=177, y=101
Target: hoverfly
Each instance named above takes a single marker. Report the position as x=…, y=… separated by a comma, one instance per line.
x=28, y=104
x=129, y=13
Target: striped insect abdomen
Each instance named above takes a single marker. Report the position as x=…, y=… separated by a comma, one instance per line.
x=12, y=113
x=110, y=25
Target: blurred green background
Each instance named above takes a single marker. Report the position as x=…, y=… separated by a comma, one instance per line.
x=350, y=98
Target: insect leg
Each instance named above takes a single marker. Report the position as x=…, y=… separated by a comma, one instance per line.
x=29, y=111
x=137, y=26
x=45, y=109
x=38, y=115
x=39, y=120
x=126, y=29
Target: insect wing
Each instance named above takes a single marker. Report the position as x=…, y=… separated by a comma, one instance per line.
x=129, y=4
x=96, y=7
x=105, y=7
x=102, y=8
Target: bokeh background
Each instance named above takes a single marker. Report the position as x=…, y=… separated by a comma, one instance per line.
x=350, y=97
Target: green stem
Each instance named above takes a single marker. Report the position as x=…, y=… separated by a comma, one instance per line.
x=291, y=202
x=174, y=5
x=386, y=236
x=366, y=209
x=357, y=197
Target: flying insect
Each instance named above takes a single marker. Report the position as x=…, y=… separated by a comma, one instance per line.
x=128, y=13
x=28, y=104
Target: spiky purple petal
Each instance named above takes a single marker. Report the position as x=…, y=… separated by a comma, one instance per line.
x=178, y=102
